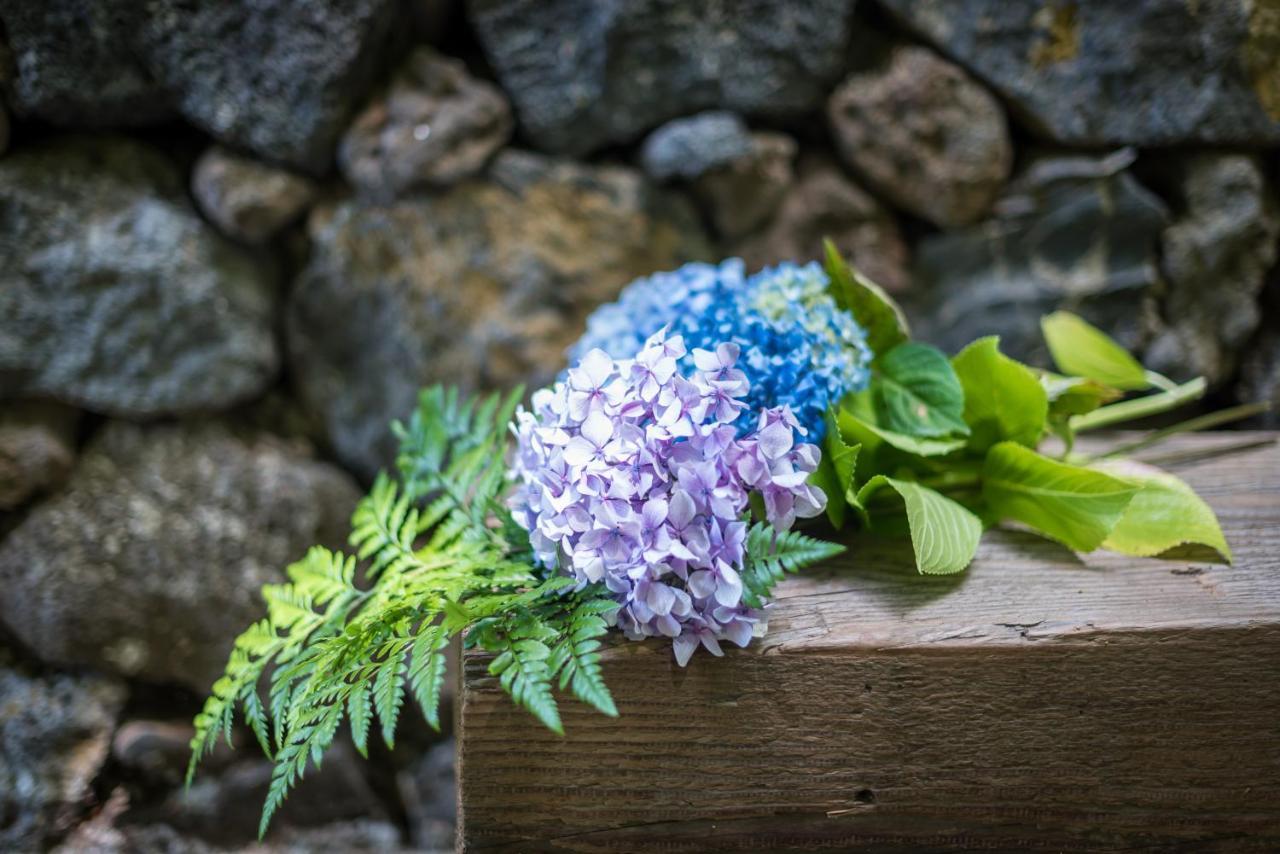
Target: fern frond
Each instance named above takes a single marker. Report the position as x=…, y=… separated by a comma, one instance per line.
x=441, y=556
x=359, y=715
x=520, y=640
x=388, y=689
x=306, y=744
x=576, y=655
x=426, y=671
x=770, y=555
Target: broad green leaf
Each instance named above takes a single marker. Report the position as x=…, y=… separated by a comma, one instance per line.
x=1084, y=350
x=824, y=477
x=834, y=475
x=1077, y=506
x=944, y=535
x=1002, y=397
x=1165, y=513
x=843, y=456
x=875, y=310
x=870, y=436
x=1075, y=395
x=916, y=392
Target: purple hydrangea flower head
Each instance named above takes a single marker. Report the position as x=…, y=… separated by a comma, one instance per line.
x=636, y=475
x=796, y=347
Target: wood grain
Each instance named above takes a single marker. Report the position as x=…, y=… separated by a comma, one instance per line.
x=1039, y=701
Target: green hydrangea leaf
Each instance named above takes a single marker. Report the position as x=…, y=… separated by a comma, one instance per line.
x=944, y=535
x=1078, y=507
x=1003, y=400
x=916, y=392
x=1165, y=513
x=835, y=473
x=843, y=456
x=1082, y=349
x=875, y=310
x=1075, y=395
x=883, y=451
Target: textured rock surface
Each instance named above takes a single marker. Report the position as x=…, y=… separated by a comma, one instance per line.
x=1078, y=233
x=73, y=65
x=483, y=286
x=686, y=148
x=149, y=562
x=429, y=791
x=55, y=731
x=278, y=77
x=585, y=73
x=1215, y=258
x=434, y=126
x=921, y=132
x=115, y=295
x=247, y=199
x=364, y=835
x=1260, y=363
x=1096, y=72
x=37, y=448
x=824, y=203
x=744, y=194
x=223, y=806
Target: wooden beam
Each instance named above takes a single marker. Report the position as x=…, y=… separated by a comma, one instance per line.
x=1039, y=701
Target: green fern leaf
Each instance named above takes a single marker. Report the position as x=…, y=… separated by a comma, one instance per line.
x=388, y=692
x=770, y=555
x=427, y=670
x=359, y=711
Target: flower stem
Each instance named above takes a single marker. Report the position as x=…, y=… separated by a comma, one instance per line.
x=1200, y=422
x=1140, y=407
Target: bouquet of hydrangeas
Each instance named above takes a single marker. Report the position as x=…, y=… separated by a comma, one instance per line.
x=656, y=487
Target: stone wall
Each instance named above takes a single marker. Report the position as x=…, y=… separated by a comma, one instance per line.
x=236, y=237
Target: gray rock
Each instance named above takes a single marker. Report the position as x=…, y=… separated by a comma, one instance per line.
x=925, y=135
x=1075, y=233
x=54, y=735
x=1096, y=72
x=360, y=835
x=37, y=448
x=585, y=73
x=150, y=562
x=686, y=148
x=157, y=752
x=1260, y=375
x=4, y=130
x=247, y=199
x=429, y=791
x=277, y=77
x=74, y=65
x=1215, y=258
x=224, y=806
x=114, y=294
x=822, y=204
x=744, y=194
x=434, y=126
x=482, y=286
x=99, y=835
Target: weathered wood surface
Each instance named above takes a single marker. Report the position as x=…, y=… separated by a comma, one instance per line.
x=1039, y=701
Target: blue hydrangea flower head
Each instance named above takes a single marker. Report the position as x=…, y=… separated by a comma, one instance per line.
x=797, y=348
